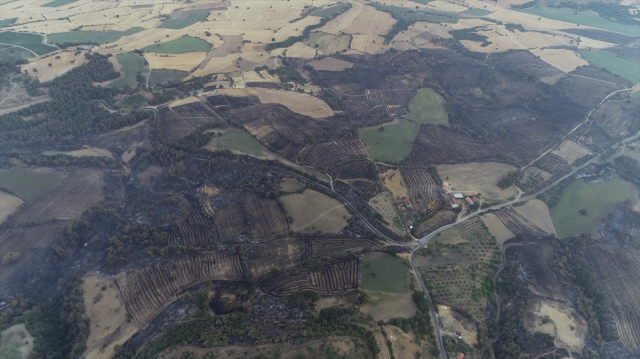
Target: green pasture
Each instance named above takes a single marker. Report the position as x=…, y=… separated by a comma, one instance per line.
x=386, y=274
x=160, y=76
x=595, y=198
x=134, y=101
x=191, y=19
x=393, y=144
x=588, y=18
x=29, y=184
x=7, y=22
x=237, y=140
x=179, y=46
x=324, y=40
x=12, y=53
x=423, y=2
x=56, y=3
x=328, y=11
x=426, y=108
x=476, y=12
x=32, y=42
x=131, y=64
x=100, y=37
x=608, y=60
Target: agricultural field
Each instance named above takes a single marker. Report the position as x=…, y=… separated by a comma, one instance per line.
x=612, y=267
x=31, y=42
x=497, y=228
x=183, y=62
x=48, y=68
x=163, y=76
x=82, y=36
x=330, y=64
x=588, y=18
x=383, y=273
x=478, y=177
x=427, y=108
x=313, y=211
x=454, y=321
x=297, y=102
x=391, y=144
x=570, y=151
x=108, y=315
x=520, y=225
x=130, y=65
x=328, y=43
x=595, y=198
x=13, y=53
x=183, y=19
x=458, y=263
x=86, y=151
x=7, y=22
x=8, y=204
x=236, y=141
x=565, y=60
x=392, y=179
x=29, y=184
x=385, y=206
x=537, y=212
x=179, y=46
x=16, y=342
x=135, y=101
x=57, y=3
x=424, y=189
x=608, y=60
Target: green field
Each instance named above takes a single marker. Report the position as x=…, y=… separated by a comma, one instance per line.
x=595, y=198
x=477, y=12
x=393, y=144
x=29, y=184
x=131, y=64
x=56, y=3
x=12, y=53
x=237, y=140
x=100, y=37
x=385, y=274
x=134, y=101
x=328, y=11
x=608, y=60
x=160, y=76
x=588, y=18
x=7, y=22
x=179, y=46
x=191, y=19
x=426, y=108
x=32, y=42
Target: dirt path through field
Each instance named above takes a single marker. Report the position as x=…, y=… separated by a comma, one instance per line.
x=317, y=218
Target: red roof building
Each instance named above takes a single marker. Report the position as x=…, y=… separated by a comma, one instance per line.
x=460, y=355
x=458, y=334
x=453, y=198
x=408, y=203
x=469, y=201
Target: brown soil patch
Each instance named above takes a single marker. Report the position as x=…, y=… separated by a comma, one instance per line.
x=331, y=64
x=404, y=344
x=395, y=183
x=58, y=66
x=537, y=212
x=497, y=228
x=8, y=204
x=313, y=211
x=85, y=152
x=108, y=315
x=564, y=323
x=301, y=103
x=367, y=43
x=472, y=178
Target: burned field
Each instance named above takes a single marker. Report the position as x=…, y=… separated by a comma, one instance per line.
x=518, y=224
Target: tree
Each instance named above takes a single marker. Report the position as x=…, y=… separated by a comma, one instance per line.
x=381, y=129
x=583, y=212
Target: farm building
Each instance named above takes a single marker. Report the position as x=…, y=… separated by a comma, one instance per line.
x=458, y=195
x=459, y=335
x=469, y=201
x=453, y=198
x=460, y=355
x=408, y=204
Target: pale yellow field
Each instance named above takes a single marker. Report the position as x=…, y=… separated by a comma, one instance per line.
x=366, y=43
x=227, y=63
x=395, y=183
x=371, y=22
x=567, y=325
x=537, y=212
x=18, y=338
x=497, y=228
x=486, y=5
x=446, y=6
x=383, y=306
x=570, y=151
x=290, y=184
x=468, y=23
x=108, y=315
x=330, y=64
x=340, y=23
x=532, y=39
x=8, y=204
x=384, y=204
x=451, y=324
x=86, y=151
x=58, y=66
x=296, y=50
x=472, y=178
x=530, y=20
x=184, y=101
x=313, y=211
x=184, y=62
x=565, y=60
x=301, y=103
